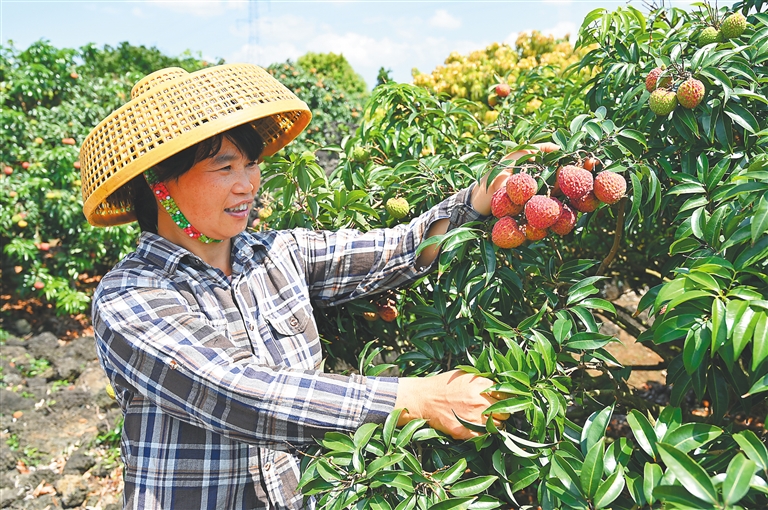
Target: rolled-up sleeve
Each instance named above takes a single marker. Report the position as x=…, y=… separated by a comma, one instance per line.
x=346, y=264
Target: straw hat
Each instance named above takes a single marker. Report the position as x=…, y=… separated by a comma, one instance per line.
x=171, y=110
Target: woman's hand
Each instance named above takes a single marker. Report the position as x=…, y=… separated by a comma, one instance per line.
x=437, y=398
x=481, y=195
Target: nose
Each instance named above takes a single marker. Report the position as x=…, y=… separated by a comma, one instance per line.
x=247, y=179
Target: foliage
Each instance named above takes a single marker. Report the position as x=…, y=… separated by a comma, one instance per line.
x=696, y=215
x=335, y=111
x=49, y=95
x=537, y=70
x=337, y=68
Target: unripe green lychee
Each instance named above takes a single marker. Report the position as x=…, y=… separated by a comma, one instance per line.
x=574, y=182
x=662, y=102
x=710, y=35
x=733, y=26
x=586, y=203
x=541, y=211
x=265, y=212
x=360, y=154
x=690, y=93
x=506, y=234
x=397, y=207
x=652, y=80
x=565, y=222
x=521, y=187
x=610, y=187
x=501, y=205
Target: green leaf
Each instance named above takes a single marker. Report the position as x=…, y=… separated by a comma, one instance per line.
x=389, y=427
x=523, y=477
x=594, y=428
x=384, y=462
x=760, y=386
x=652, y=474
x=510, y=405
x=719, y=329
x=560, y=329
x=453, y=504
x=336, y=441
x=742, y=117
x=643, y=432
x=759, y=219
x=453, y=473
x=760, y=340
x=587, y=341
x=679, y=495
x=472, y=486
x=610, y=489
x=592, y=469
x=704, y=280
x=755, y=449
x=328, y=472
x=690, y=474
x=692, y=435
x=695, y=349
x=405, y=435
x=397, y=479
x=364, y=433
x=737, y=479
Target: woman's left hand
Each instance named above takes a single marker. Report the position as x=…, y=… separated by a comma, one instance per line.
x=481, y=194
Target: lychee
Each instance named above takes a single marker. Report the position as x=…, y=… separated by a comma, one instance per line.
x=38, y=285
x=397, y=207
x=360, y=154
x=662, y=102
x=25, y=165
x=733, y=26
x=652, y=80
x=590, y=163
x=690, y=93
x=68, y=141
x=502, y=90
x=370, y=316
x=710, y=35
x=534, y=234
x=506, y=234
x=388, y=313
x=501, y=205
x=610, y=187
x=521, y=187
x=586, y=203
x=541, y=211
x=565, y=222
x=574, y=182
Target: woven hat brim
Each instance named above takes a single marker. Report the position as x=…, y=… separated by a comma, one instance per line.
x=127, y=173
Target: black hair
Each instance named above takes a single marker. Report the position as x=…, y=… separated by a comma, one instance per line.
x=244, y=137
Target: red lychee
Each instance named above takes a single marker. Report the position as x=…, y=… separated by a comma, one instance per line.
x=541, y=211
x=521, y=187
x=501, y=205
x=610, y=187
x=586, y=203
x=506, y=234
x=38, y=285
x=7, y=170
x=502, y=90
x=652, y=80
x=388, y=313
x=690, y=93
x=534, y=234
x=574, y=182
x=590, y=163
x=565, y=222
x=25, y=165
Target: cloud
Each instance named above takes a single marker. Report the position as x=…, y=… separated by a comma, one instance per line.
x=202, y=8
x=442, y=19
x=562, y=29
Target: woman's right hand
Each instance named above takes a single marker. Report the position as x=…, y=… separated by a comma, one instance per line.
x=437, y=398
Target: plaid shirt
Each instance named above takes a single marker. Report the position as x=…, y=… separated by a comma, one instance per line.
x=218, y=377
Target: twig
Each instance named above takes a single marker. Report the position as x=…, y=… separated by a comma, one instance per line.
x=616, y=238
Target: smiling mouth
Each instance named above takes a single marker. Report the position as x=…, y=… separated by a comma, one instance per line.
x=240, y=208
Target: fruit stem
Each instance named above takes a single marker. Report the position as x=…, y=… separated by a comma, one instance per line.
x=616, y=238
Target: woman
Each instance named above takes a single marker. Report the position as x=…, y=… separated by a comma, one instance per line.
x=206, y=331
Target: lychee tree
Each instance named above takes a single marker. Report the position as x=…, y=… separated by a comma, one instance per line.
x=694, y=216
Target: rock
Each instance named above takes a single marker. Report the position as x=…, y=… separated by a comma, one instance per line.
x=38, y=386
x=14, y=354
x=113, y=506
x=22, y=327
x=32, y=479
x=71, y=359
x=72, y=489
x=42, y=345
x=11, y=402
x=14, y=341
x=8, y=496
x=7, y=457
x=78, y=462
x=71, y=399
x=44, y=502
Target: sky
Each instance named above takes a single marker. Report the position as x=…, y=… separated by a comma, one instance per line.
x=396, y=35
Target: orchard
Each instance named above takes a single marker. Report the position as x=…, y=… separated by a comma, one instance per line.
x=659, y=182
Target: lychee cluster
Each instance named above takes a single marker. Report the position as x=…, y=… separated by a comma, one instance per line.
x=525, y=215
x=667, y=93
x=731, y=28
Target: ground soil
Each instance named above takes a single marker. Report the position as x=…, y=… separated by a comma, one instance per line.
x=57, y=422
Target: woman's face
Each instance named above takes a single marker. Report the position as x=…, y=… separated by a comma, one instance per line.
x=216, y=194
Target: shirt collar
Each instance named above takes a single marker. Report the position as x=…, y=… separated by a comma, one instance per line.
x=161, y=252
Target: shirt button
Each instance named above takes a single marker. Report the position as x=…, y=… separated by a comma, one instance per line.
x=293, y=321
x=251, y=327
x=267, y=467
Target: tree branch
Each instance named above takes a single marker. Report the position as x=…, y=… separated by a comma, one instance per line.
x=616, y=238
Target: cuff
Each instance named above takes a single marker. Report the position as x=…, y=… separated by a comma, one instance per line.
x=382, y=393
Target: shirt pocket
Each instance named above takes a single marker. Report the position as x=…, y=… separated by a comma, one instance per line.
x=291, y=318
x=295, y=342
